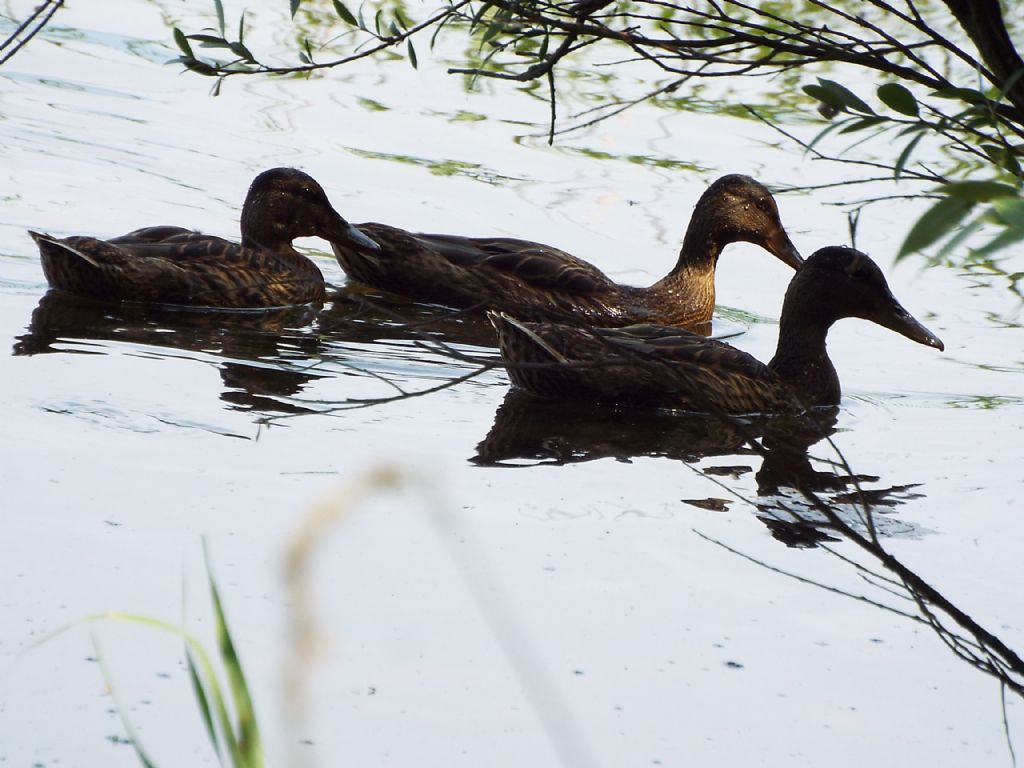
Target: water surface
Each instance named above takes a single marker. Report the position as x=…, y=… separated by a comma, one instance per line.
x=587, y=570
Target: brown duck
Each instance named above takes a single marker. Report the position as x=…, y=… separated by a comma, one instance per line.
x=537, y=282
x=669, y=367
x=173, y=265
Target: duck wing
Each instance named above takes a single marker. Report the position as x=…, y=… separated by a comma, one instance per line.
x=194, y=252
x=156, y=235
x=536, y=264
x=179, y=245
x=676, y=367
x=159, y=265
x=640, y=364
x=673, y=346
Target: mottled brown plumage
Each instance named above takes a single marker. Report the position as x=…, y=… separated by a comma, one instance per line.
x=173, y=265
x=537, y=282
x=664, y=366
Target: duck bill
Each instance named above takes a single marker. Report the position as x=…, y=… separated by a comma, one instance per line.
x=896, y=318
x=358, y=237
x=780, y=246
x=343, y=232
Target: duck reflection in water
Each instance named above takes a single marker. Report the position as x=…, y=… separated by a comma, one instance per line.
x=265, y=358
x=265, y=354
x=365, y=315
x=532, y=431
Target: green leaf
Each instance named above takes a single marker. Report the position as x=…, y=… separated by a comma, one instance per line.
x=899, y=98
x=241, y=28
x=496, y=24
x=984, y=119
x=848, y=98
x=828, y=129
x=913, y=128
x=437, y=31
x=210, y=41
x=1009, y=211
x=978, y=191
x=242, y=52
x=479, y=15
x=295, y=6
x=182, y=41
x=1002, y=157
x=901, y=161
x=493, y=28
x=1006, y=87
x=1000, y=241
x=344, y=13
x=968, y=95
x=825, y=96
x=959, y=238
x=936, y=222
x=412, y=54
x=199, y=67
x=220, y=15
x=864, y=122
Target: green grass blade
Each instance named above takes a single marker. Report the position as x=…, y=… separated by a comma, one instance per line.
x=248, y=734
x=129, y=729
x=243, y=752
x=204, y=704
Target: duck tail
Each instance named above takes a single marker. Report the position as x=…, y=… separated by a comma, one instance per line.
x=505, y=323
x=46, y=242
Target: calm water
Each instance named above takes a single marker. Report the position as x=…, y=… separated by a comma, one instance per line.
x=593, y=574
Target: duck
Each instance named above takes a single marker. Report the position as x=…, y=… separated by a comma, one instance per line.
x=663, y=366
x=177, y=266
x=533, y=281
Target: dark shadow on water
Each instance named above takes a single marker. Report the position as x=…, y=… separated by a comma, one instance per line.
x=530, y=431
x=266, y=358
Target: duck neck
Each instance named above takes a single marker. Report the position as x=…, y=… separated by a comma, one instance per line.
x=801, y=358
x=261, y=228
x=701, y=245
x=690, y=286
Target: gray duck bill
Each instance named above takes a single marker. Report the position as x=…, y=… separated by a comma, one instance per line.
x=899, y=320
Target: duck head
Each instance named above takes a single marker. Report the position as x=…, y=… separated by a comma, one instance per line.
x=736, y=207
x=837, y=282
x=285, y=203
